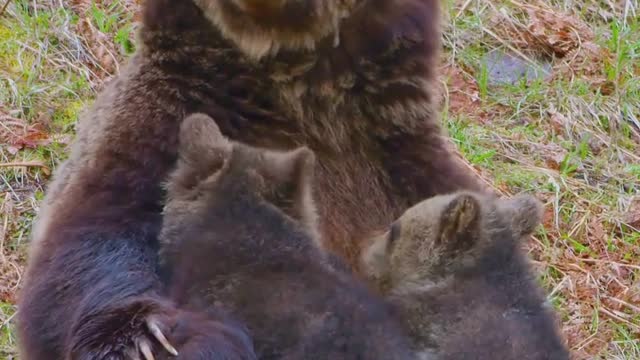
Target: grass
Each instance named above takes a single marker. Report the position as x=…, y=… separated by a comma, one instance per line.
x=572, y=137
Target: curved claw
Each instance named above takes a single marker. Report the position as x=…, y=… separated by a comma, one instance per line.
x=157, y=333
x=145, y=349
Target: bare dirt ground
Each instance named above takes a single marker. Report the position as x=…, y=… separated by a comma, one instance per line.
x=538, y=96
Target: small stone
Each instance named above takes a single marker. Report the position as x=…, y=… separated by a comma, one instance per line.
x=505, y=68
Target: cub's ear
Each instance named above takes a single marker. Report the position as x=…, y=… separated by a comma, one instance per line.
x=525, y=214
x=459, y=224
x=202, y=144
x=292, y=174
x=374, y=261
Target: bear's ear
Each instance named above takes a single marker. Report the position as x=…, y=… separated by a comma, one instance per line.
x=459, y=224
x=292, y=176
x=524, y=212
x=202, y=144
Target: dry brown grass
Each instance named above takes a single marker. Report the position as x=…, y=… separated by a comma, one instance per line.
x=572, y=138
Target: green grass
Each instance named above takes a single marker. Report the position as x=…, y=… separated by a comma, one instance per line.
x=575, y=144
x=48, y=74
x=7, y=337
x=572, y=139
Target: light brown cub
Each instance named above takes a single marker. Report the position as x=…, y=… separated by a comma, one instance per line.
x=453, y=267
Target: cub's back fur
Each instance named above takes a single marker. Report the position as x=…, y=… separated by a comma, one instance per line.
x=238, y=234
x=454, y=268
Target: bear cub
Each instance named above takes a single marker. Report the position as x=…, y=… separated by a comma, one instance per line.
x=453, y=267
x=239, y=234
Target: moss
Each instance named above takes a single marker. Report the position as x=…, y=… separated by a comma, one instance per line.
x=516, y=178
x=65, y=117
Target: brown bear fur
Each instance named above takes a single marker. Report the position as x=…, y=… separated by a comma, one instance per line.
x=359, y=93
x=453, y=266
x=239, y=234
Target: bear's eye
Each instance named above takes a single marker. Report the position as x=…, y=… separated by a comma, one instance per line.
x=394, y=232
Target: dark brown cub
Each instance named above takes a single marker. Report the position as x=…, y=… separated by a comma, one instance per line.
x=239, y=234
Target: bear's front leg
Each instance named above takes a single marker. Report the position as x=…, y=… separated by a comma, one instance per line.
x=134, y=329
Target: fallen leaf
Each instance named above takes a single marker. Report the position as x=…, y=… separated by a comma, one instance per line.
x=12, y=149
x=35, y=136
x=558, y=121
x=548, y=218
x=555, y=32
x=603, y=86
x=632, y=217
x=554, y=155
x=596, y=230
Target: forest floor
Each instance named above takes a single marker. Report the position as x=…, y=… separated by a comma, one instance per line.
x=538, y=96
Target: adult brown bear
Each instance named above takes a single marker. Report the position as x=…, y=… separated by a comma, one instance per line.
x=351, y=79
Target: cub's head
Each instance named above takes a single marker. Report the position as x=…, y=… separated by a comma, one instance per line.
x=262, y=27
x=446, y=234
x=213, y=171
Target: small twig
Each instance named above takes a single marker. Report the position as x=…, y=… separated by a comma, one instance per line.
x=511, y=47
x=624, y=303
x=463, y=8
x=8, y=320
x=4, y=7
x=630, y=266
x=612, y=314
x=5, y=225
x=39, y=164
